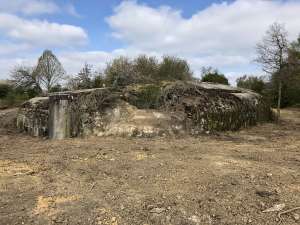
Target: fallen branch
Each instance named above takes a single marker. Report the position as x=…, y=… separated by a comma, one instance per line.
x=288, y=211
x=92, y=187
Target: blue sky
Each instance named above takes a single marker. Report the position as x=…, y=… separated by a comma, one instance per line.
x=217, y=33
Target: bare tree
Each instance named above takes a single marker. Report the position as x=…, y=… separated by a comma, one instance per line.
x=49, y=70
x=26, y=77
x=272, y=55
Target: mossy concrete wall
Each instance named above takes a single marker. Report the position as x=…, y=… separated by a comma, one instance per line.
x=33, y=117
x=188, y=107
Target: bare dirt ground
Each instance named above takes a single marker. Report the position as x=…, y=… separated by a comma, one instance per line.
x=228, y=178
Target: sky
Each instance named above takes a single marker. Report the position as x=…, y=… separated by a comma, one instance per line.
x=217, y=33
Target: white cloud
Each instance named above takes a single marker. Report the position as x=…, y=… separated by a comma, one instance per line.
x=7, y=49
x=7, y=64
x=223, y=35
x=28, y=7
x=70, y=8
x=73, y=61
x=41, y=32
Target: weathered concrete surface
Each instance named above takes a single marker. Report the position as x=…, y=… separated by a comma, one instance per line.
x=127, y=120
x=214, y=107
x=59, y=116
x=33, y=116
x=184, y=108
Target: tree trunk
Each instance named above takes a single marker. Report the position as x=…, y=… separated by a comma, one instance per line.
x=279, y=99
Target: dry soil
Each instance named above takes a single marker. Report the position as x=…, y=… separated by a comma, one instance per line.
x=226, y=178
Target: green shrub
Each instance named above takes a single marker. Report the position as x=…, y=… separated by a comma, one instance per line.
x=172, y=68
x=256, y=84
x=16, y=96
x=146, y=70
x=98, y=81
x=120, y=72
x=5, y=89
x=215, y=77
x=143, y=96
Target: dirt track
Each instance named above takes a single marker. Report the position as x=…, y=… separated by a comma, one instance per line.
x=222, y=179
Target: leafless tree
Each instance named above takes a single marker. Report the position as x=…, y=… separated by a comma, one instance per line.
x=272, y=55
x=25, y=77
x=49, y=70
x=83, y=80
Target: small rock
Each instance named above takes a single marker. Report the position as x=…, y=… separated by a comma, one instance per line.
x=146, y=149
x=195, y=219
x=149, y=207
x=296, y=216
x=269, y=174
x=157, y=210
x=275, y=208
x=234, y=182
x=264, y=193
x=262, y=204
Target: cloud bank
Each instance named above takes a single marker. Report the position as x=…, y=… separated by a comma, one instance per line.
x=222, y=35
x=28, y=7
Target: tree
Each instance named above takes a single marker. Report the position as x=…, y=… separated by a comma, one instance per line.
x=291, y=81
x=49, y=70
x=146, y=69
x=120, y=72
x=98, y=81
x=212, y=75
x=272, y=55
x=85, y=77
x=26, y=78
x=256, y=84
x=174, y=68
x=83, y=80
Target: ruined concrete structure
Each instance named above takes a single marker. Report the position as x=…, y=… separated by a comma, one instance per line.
x=180, y=107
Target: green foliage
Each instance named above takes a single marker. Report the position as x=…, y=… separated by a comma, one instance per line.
x=290, y=79
x=16, y=96
x=84, y=78
x=146, y=70
x=57, y=88
x=98, y=81
x=212, y=75
x=120, y=72
x=173, y=68
x=5, y=89
x=256, y=84
x=147, y=96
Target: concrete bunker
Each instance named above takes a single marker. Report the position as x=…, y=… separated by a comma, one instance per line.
x=177, y=107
